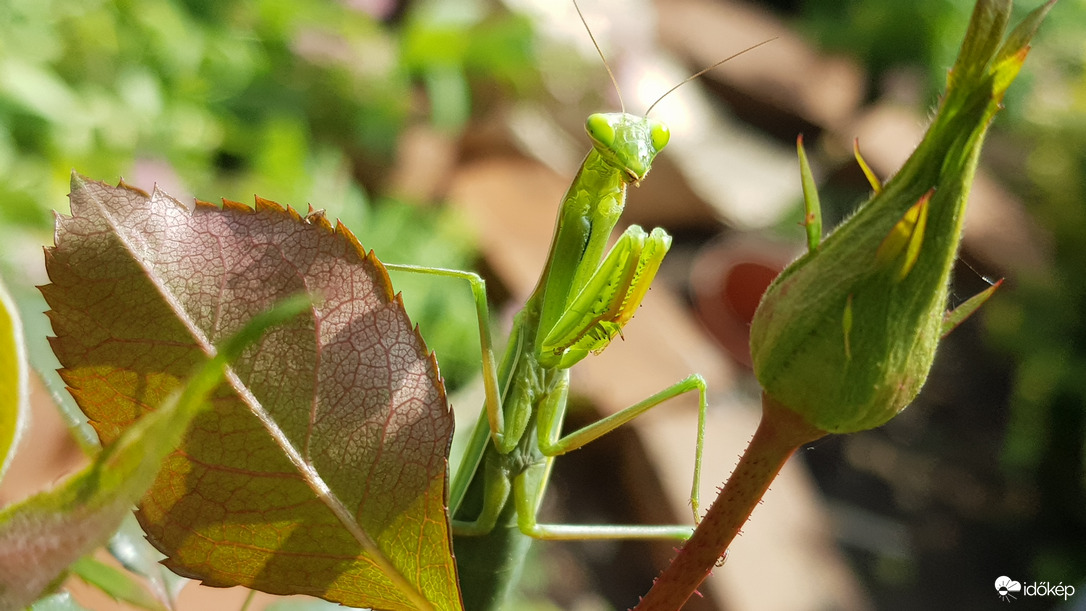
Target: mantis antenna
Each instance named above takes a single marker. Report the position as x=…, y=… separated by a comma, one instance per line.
x=614, y=81
x=703, y=71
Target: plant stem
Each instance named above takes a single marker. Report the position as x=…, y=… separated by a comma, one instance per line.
x=248, y=601
x=780, y=432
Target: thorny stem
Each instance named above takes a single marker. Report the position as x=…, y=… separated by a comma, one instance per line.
x=780, y=433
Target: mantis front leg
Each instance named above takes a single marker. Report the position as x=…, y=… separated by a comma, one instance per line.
x=486, y=344
x=493, y=427
x=611, y=295
x=594, y=316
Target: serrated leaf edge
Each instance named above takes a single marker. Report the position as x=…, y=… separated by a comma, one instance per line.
x=312, y=478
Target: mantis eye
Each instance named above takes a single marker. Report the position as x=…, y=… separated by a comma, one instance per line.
x=600, y=129
x=660, y=134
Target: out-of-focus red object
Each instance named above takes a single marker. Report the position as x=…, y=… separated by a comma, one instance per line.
x=727, y=281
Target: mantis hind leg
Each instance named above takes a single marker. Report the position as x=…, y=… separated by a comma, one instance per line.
x=528, y=486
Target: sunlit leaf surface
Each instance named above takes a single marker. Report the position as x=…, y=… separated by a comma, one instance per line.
x=321, y=467
x=13, y=379
x=40, y=537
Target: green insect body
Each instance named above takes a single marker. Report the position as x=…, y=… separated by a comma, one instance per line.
x=584, y=297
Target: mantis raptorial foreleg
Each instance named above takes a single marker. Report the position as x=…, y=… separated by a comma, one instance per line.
x=621, y=280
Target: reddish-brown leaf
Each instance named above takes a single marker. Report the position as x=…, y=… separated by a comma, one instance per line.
x=321, y=468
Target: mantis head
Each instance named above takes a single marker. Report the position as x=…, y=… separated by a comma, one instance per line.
x=627, y=142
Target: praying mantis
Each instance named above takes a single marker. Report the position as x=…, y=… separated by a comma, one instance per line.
x=584, y=297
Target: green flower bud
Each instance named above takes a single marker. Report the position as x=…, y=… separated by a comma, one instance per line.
x=846, y=335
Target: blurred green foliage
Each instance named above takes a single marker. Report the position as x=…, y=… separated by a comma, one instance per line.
x=300, y=102
x=1042, y=324
x=923, y=36
x=873, y=33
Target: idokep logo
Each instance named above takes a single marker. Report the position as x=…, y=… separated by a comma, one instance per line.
x=1006, y=588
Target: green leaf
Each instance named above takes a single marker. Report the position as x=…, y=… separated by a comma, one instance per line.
x=905, y=238
x=872, y=179
x=61, y=601
x=130, y=547
x=982, y=39
x=321, y=467
x=812, y=216
x=41, y=536
x=119, y=585
x=13, y=379
x=967, y=308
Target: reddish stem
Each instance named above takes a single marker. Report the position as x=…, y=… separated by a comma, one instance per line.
x=780, y=432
